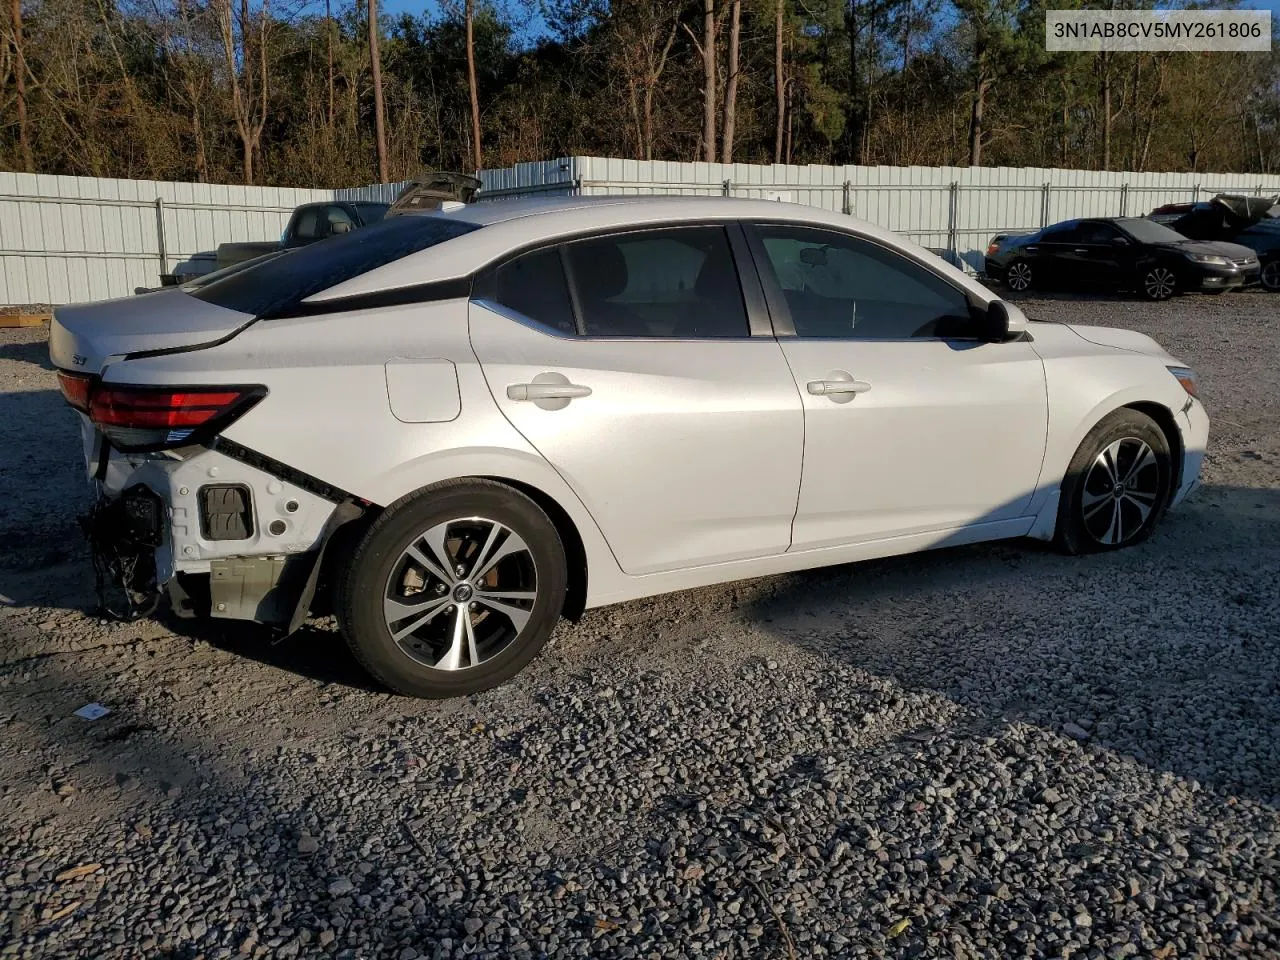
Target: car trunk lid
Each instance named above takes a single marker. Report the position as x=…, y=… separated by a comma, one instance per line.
x=83, y=338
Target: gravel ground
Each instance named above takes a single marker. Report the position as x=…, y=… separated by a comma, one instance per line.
x=987, y=751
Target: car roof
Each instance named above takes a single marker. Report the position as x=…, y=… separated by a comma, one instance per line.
x=609, y=209
x=512, y=224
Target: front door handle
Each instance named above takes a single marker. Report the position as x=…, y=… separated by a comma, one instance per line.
x=546, y=391
x=840, y=390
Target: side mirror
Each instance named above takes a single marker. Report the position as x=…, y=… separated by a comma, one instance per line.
x=340, y=227
x=1004, y=321
x=1119, y=242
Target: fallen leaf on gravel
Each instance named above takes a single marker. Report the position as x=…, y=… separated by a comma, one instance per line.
x=603, y=924
x=693, y=872
x=899, y=928
x=1164, y=953
x=76, y=872
x=59, y=914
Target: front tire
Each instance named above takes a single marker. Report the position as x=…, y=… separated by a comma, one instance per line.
x=1117, y=485
x=1158, y=283
x=453, y=590
x=1019, y=276
x=1270, y=276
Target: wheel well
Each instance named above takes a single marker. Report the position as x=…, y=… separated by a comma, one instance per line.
x=575, y=554
x=1163, y=417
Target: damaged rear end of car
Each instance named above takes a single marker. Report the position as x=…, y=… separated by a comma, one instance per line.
x=176, y=507
x=179, y=508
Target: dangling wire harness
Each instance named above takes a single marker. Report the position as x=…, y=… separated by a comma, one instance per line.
x=123, y=533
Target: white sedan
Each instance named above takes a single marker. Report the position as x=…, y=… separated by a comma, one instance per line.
x=460, y=426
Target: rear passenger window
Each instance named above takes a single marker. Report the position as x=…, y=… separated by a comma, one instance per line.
x=533, y=286
x=670, y=283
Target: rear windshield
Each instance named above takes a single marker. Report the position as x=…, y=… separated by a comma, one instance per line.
x=277, y=285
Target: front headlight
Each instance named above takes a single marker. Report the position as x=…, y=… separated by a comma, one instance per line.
x=1209, y=258
x=1187, y=377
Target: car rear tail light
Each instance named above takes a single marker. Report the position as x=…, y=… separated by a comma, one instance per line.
x=143, y=418
x=993, y=247
x=75, y=387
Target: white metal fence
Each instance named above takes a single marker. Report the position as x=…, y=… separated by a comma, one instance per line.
x=956, y=208
x=64, y=239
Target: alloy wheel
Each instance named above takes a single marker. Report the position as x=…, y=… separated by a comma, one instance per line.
x=1121, y=491
x=1019, y=276
x=1159, y=283
x=1271, y=276
x=461, y=593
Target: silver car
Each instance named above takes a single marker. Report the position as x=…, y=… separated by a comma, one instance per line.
x=459, y=426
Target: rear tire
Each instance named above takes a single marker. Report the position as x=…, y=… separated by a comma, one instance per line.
x=1117, y=485
x=453, y=590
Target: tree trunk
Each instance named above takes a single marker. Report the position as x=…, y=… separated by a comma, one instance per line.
x=328, y=30
x=1106, y=109
x=637, y=121
x=1064, y=132
x=379, y=117
x=476, y=150
x=197, y=131
x=975, y=122
x=791, y=123
x=709, y=80
x=20, y=88
x=779, y=84
x=731, y=83
x=855, y=97
x=648, y=121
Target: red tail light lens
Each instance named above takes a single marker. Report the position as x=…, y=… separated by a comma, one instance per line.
x=75, y=387
x=138, y=418
x=995, y=245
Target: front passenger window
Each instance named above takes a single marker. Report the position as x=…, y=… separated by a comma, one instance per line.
x=839, y=286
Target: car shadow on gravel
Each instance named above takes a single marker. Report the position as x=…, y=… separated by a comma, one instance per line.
x=315, y=651
x=1168, y=652
x=35, y=353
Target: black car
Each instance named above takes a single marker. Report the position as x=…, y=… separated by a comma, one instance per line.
x=1252, y=222
x=1119, y=253
x=309, y=223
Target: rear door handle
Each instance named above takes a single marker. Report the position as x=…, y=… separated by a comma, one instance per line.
x=1081, y=250
x=828, y=388
x=546, y=391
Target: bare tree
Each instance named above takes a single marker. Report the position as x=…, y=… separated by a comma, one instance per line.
x=181, y=44
x=248, y=92
x=709, y=80
x=20, y=87
x=471, y=83
x=379, y=117
x=644, y=35
x=328, y=34
x=779, y=81
x=731, y=82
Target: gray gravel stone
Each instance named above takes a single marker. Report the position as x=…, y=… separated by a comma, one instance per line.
x=826, y=753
